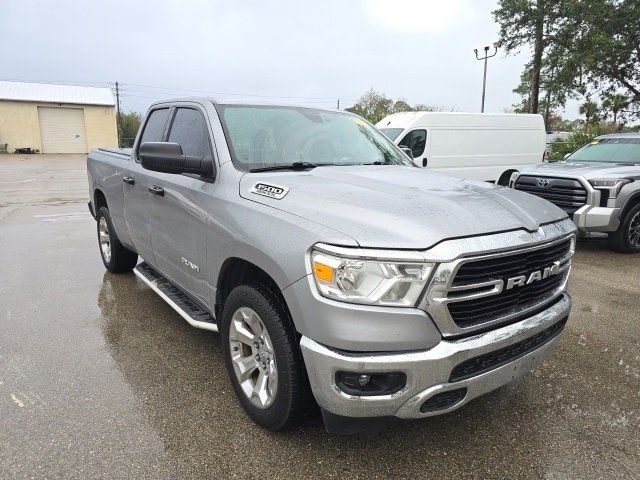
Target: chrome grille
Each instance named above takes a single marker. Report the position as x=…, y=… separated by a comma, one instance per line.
x=567, y=193
x=478, y=294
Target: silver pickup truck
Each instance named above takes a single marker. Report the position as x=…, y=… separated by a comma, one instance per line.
x=329, y=263
x=598, y=186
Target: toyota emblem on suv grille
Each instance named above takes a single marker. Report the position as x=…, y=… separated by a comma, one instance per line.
x=543, y=183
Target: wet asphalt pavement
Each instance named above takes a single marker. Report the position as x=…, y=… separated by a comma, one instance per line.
x=99, y=378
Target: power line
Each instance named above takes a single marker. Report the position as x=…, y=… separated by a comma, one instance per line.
x=333, y=99
x=170, y=91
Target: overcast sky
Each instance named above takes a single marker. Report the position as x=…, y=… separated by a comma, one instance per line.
x=309, y=52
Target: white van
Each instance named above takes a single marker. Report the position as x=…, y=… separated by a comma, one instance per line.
x=478, y=146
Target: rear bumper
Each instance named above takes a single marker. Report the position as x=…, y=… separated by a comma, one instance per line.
x=429, y=372
x=597, y=219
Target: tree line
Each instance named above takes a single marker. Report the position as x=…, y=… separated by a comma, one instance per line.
x=374, y=106
x=588, y=50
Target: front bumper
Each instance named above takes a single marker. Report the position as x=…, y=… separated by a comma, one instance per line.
x=428, y=372
x=597, y=219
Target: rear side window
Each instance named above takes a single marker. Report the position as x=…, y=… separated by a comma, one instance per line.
x=416, y=140
x=189, y=129
x=154, y=128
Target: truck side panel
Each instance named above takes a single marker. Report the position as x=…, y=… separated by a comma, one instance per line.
x=105, y=170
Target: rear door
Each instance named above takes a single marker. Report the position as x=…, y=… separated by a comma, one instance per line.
x=136, y=182
x=179, y=214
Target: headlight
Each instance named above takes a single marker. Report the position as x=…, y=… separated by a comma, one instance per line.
x=614, y=185
x=368, y=281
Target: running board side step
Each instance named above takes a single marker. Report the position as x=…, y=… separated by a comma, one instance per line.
x=195, y=315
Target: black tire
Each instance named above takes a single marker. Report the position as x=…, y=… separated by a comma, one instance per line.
x=621, y=239
x=121, y=260
x=292, y=384
x=504, y=178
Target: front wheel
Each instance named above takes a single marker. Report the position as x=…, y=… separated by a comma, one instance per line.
x=627, y=238
x=262, y=357
x=505, y=177
x=116, y=258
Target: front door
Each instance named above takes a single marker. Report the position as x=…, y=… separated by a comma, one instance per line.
x=136, y=182
x=179, y=214
x=416, y=140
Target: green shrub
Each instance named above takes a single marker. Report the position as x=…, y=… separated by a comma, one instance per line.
x=560, y=147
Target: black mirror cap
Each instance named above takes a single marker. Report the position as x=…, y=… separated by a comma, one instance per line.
x=167, y=157
x=163, y=157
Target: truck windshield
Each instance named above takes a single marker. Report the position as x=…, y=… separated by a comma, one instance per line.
x=268, y=136
x=392, y=133
x=609, y=150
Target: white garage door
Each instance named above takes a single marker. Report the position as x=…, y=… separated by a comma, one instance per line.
x=62, y=130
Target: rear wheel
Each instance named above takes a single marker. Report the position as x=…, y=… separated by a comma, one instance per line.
x=262, y=357
x=116, y=258
x=627, y=238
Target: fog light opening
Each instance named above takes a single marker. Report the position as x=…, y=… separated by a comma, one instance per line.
x=363, y=384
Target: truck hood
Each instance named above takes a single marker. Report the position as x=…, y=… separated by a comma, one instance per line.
x=587, y=170
x=400, y=207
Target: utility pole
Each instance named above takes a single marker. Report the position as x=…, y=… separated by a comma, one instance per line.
x=484, y=78
x=118, y=120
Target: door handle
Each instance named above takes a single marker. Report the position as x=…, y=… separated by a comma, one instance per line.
x=156, y=190
x=129, y=180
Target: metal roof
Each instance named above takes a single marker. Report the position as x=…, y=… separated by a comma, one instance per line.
x=54, y=93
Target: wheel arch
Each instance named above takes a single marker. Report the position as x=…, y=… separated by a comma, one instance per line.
x=99, y=200
x=632, y=201
x=236, y=271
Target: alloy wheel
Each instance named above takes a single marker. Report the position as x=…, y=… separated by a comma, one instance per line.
x=634, y=231
x=104, y=239
x=253, y=358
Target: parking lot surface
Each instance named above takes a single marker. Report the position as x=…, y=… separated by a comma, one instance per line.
x=100, y=378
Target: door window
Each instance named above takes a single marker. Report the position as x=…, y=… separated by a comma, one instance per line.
x=416, y=140
x=154, y=127
x=189, y=129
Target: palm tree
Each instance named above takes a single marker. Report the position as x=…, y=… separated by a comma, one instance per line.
x=591, y=111
x=615, y=103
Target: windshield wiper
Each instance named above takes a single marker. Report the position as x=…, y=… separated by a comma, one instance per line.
x=288, y=166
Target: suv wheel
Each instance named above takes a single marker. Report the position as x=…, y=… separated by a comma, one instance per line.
x=262, y=356
x=627, y=238
x=116, y=258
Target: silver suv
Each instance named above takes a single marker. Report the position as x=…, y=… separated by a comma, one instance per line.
x=598, y=186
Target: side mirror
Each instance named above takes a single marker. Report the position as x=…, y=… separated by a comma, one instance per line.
x=566, y=156
x=167, y=157
x=407, y=151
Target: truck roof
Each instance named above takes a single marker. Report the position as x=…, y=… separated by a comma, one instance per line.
x=241, y=101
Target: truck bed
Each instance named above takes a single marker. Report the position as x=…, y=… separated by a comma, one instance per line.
x=117, y=151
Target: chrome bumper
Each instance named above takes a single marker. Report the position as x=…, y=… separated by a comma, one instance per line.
x=427, y=371
x=597, y=219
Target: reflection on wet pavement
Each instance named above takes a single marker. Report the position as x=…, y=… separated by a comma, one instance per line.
x=100, y=378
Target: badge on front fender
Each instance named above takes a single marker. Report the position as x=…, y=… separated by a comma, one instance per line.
x=269, y=190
